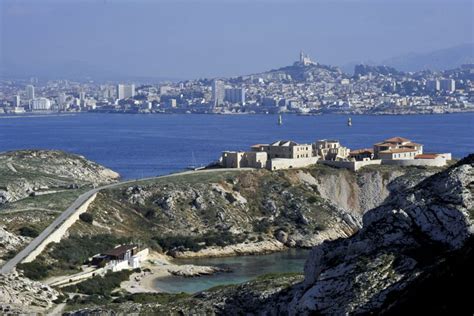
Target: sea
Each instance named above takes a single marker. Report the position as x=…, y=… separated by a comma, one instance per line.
x=143, y=145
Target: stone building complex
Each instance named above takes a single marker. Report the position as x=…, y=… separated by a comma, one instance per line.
x=287, y=154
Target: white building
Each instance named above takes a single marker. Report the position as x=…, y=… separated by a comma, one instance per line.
x=433, y=85
x=218, y=92
x=30, y=92
x=235, y=95
x=41, y=104
x=448, y=85
x=125, y=91
x=17, y=101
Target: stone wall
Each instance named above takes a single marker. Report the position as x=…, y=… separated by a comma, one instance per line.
x=284, y=163
x=351, y=165
x=437, y=162
x=58, y=234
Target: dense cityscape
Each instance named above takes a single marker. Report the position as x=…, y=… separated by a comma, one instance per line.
x=306, y=87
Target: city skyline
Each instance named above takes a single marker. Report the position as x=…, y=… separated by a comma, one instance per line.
x=202, y=38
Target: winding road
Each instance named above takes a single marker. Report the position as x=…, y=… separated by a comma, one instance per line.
x=11, y=264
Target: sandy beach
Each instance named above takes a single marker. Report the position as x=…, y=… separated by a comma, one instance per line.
x=158, y=265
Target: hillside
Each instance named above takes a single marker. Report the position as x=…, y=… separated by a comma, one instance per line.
x=414, y=254
x=27, y=172
x=35, y=186
x=300, y=73
x=230, y=212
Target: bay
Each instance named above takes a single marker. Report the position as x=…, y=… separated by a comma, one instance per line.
x=139, y=145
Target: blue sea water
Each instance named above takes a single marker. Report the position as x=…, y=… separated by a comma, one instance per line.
x=242, y=269
x=146, y=145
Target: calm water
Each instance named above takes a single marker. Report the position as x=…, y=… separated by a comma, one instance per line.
x=147, y=145
x=243, y=269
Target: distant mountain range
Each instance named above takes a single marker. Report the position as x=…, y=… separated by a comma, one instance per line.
x=76, y=70
x=441, y=59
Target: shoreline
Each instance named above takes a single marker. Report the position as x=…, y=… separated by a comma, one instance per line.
x=55, y=114
x=159, y=265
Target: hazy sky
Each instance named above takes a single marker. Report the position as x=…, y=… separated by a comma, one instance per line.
x=200, y=38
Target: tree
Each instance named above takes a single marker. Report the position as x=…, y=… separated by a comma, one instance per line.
x=86, y=217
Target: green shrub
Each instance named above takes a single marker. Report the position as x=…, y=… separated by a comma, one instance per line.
x=75, y=250
x=160, y=298
x=312, y=199
x=60, y=299
x=262, y=226
x=86, y=217
x=100, y=285
x=196, y=243
x=28, y=231
x=34, y=270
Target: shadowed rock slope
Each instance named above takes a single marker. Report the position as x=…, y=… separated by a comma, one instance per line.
x=416, y=239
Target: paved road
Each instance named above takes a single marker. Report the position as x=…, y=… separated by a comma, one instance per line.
x=8, y=267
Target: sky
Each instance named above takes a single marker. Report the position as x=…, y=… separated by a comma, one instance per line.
x=209, y=38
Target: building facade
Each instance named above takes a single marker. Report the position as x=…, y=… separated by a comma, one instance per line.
x=285, y=149
x=235, y=95
x=40, y=104
x=125, y=91
x=30, y=92
x=448, y=85
x=278, y=155
x=218, y=92
x=397, y=148
x=328, y=149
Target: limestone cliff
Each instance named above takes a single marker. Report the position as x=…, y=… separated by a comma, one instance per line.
x=402, y=242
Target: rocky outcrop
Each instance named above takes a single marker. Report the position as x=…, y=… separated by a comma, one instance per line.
x=189, y=270
x=241, y=249
x=19, y=295
x=401, y=241
x=10, y=242
x=29, y=172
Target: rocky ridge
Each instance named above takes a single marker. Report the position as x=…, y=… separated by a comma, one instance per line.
x=27, y=172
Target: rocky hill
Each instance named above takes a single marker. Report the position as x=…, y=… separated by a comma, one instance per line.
x=233, y=212
x=303, y=73
x=35, y=185
x=413, y=255
x=414, y=239
x=26, y=172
